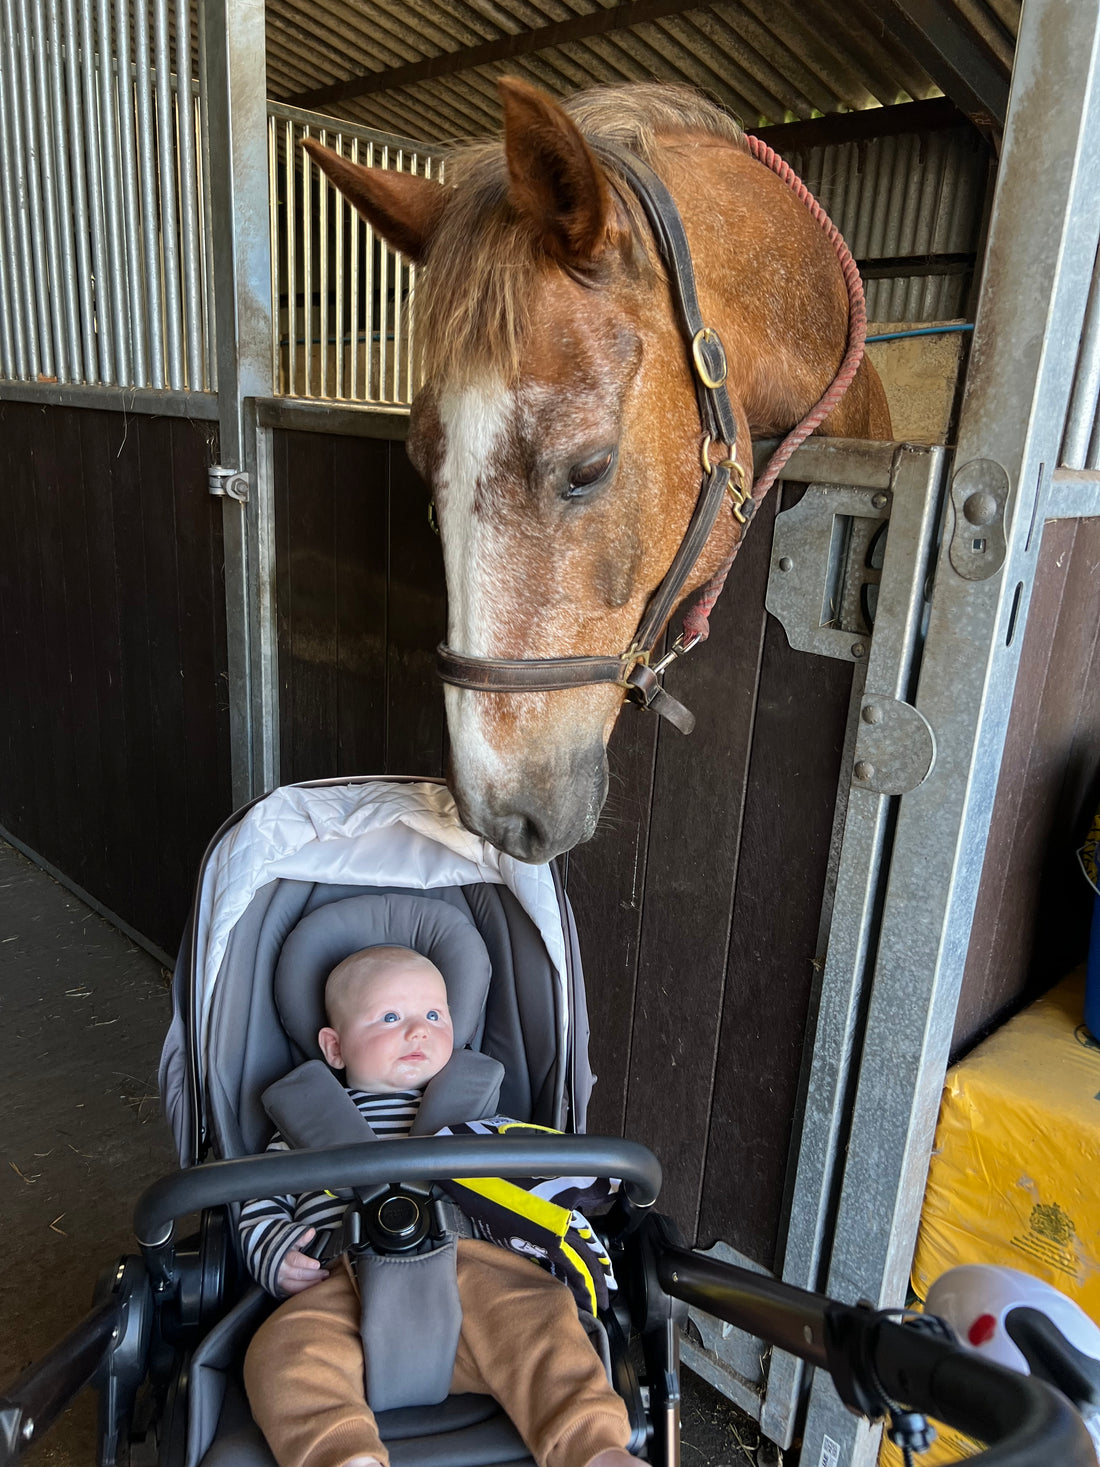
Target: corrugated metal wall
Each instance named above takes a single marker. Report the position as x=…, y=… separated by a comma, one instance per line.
x=916, y=194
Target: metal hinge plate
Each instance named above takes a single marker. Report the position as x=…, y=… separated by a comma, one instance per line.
x=228, y=483
x=826, y=565
x=895, y=747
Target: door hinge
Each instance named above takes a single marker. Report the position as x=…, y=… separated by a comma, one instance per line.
x=895, y=747
x=228, y=483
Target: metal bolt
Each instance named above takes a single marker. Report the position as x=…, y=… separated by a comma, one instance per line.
x=859, y=649
x=880, y=500
x=785, y=563
x=27, y=1430
x=980, y=508
x=872, y=713
x=864, y=771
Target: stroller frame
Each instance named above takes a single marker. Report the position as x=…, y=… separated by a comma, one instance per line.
x=151, y=1309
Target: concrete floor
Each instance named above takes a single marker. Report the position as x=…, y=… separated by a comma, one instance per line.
x=83, y=1011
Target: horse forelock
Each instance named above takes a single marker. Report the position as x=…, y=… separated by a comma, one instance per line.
x=475, y=290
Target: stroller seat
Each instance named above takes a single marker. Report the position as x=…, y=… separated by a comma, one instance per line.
x=249, y=1002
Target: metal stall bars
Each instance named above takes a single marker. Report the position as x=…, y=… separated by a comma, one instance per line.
x=1030, y=322
x=102, y=278
x=341, y=299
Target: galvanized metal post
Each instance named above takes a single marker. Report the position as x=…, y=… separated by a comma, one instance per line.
x=1042, y=246
x=237, y=121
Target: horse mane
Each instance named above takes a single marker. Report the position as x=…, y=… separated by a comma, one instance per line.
x=472, y=294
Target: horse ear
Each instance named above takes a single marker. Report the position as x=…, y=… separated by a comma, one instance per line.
x=555, y=178
x=403, y=208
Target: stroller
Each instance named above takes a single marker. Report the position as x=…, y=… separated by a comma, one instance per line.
x=288, y=887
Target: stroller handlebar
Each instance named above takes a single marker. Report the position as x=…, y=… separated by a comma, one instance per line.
x=876, y=1362
x=366, y=1164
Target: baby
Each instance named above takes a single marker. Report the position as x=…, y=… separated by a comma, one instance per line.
x=522, y=1342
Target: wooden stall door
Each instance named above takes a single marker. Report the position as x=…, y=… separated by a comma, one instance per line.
x=114, y=745
x=698, y=904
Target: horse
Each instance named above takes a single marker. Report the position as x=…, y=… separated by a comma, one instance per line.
x=558, y=424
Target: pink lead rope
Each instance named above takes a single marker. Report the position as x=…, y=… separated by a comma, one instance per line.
x=697, y=619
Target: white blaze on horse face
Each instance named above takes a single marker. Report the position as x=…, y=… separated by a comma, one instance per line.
x=476, y=421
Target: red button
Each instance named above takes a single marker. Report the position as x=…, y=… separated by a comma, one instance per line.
x=982, y=1330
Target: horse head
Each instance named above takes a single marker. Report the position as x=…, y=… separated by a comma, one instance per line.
x=557, y=426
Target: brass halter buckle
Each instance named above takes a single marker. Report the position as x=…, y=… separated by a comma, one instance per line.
x=736, y=490
x=712, y=374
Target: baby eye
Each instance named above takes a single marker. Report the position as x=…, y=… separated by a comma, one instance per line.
x=390, y=1018
x=433, y=1014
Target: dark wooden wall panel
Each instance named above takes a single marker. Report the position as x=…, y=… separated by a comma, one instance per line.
x=694, y=848
x=112, y=619
x=1033, y=910
x=790, y=801
x=698, y=904
x=360, y=608
x=606, y=881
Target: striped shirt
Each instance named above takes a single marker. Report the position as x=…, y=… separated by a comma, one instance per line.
x=270, y=1226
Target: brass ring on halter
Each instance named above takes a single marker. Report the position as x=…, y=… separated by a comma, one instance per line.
x=739, y=494
x=631, y=659
x=703, y=337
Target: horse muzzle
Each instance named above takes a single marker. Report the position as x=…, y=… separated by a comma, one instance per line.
x=539, y=812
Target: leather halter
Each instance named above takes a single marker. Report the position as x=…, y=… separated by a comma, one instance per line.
x=631, y=669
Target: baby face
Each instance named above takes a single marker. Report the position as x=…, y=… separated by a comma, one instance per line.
x=392, y=1031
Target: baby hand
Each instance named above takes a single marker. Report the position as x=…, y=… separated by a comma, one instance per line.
x=298, y=1270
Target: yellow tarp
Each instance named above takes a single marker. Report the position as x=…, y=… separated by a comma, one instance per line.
x=1015, y=1171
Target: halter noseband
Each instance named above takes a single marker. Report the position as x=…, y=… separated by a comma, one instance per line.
x=632, y=669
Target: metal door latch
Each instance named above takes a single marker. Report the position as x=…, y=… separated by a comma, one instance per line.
x=979, y=497
x=228, y=483
x=826, y=566
x=895, y=747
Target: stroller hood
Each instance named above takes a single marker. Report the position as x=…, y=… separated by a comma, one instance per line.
x=371, y=833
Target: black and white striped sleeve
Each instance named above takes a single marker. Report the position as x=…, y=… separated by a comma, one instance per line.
x=269, y=1227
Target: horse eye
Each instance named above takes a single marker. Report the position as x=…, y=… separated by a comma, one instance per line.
x=585, y=476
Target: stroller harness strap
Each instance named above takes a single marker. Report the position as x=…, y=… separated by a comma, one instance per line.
x=410, y=1314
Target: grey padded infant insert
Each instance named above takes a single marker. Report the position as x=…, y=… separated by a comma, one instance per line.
x=468, y=1087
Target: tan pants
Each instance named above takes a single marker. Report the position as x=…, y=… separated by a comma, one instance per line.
x=521, y=1343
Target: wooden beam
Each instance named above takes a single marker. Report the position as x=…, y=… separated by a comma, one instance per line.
x=962, y=64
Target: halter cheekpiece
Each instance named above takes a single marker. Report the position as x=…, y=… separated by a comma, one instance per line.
x=721, y=475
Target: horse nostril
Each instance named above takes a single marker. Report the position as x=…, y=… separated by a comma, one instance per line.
x=523, y=837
